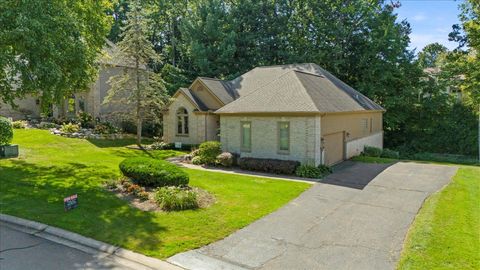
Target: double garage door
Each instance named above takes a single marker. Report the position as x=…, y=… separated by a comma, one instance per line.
x=333, y=148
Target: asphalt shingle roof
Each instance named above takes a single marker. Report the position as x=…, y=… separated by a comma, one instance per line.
x=285, y=88
x=294, y=88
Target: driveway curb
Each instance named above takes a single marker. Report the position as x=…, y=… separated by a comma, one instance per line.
x=83, y=243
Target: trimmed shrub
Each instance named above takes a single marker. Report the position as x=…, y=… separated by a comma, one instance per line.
x=176, y=198
x=105, y=128
x=198, y=160
x=6, y=131
x=153, y=172
x=209, y=151
x=308, y=171
x=225, y=159
x=371, y=151
x=70, y=128
x=388, y=153
x=276, y=166
x=324, y=169
x=20, y=124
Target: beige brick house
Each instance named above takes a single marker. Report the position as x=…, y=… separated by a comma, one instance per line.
x=292, y=112
x=89, y=101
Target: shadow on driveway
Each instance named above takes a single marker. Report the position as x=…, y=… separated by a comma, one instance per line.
x=354, y=174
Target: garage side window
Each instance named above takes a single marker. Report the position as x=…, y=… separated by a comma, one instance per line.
x=246, y=136
x=283, y=137
x=364, y=124
x=182, y=121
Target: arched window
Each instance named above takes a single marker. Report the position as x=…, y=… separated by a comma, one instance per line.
x=182, y=121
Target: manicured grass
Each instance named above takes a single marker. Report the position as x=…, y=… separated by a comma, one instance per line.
x=51, y=167
x=446, y=232
x=374, y=159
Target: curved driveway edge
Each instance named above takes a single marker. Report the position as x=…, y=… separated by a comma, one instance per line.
x=357, y=218
x=123, y=258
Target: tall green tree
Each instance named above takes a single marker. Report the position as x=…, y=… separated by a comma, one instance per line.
x=429, y=55
x=137, y=85
x=49, y=48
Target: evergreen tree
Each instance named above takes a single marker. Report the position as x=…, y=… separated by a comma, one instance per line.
x=137, y=85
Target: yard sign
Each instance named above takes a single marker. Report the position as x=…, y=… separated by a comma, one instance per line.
x=70, y=202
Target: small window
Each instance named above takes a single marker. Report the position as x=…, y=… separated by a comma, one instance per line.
x=365, y=124
x=246, y=136
x=182, y=121
x=283, y=137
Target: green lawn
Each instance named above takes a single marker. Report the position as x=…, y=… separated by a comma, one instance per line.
x=52, y=167
x=446, y=232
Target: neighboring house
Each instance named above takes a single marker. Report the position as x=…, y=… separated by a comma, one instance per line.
x=292, y=112
x=89, y=101
x=433, y=73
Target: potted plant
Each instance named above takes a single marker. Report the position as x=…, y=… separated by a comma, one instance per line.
x=6, y=136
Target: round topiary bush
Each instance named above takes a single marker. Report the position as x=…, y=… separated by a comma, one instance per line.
x=209, y=151
x=153, y=172
x=6, y=131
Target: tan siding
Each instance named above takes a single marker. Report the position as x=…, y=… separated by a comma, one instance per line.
x=352, y=124
x=205, y=96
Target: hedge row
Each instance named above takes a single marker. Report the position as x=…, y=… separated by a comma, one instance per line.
x=276, y=166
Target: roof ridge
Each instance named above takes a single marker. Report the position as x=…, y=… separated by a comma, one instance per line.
x=208, y=78
x=305, y=88
x=310, y=73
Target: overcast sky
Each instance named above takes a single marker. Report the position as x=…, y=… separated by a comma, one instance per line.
x=431, y=21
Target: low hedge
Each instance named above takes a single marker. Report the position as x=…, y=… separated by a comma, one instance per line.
x=276, y=166
x=153, y=172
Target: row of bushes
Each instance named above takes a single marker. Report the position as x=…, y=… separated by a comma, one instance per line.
x=210, y=153
x=371, y=151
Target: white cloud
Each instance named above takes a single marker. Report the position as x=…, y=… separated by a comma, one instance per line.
x=419, y=17
x=421, y=40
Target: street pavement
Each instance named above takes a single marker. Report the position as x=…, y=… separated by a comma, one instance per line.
x=22, y=251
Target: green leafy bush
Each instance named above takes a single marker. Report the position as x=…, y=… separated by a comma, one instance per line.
x=6, y=131
x=324, y=169
x=198, y=160
x=46, y=125
x=176, y=198
x=225, y=159
x=86, y=120
x=20, y=124
x=308, y=171
x=388, y=153
x=105, y=128
x=276, y=166
x=371, y=151
x=153, y=172
x=70, y=128
x=209, y=151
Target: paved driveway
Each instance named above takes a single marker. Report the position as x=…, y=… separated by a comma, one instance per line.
x=356, y=219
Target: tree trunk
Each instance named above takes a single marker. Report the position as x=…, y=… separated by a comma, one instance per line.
x=139, y=117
